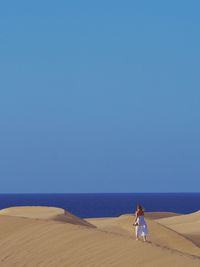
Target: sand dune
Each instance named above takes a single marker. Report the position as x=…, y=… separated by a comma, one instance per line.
x=48, y=242
x=44, y=213
x=187, y=225
x=37, y=212
x=159, y=234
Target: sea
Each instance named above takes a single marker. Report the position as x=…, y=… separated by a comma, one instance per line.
x=107, y=204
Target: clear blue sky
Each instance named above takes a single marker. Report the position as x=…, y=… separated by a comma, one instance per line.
x=99, y=96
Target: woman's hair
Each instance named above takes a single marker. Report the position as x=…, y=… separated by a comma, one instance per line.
x=139, y=210
x=139, y=207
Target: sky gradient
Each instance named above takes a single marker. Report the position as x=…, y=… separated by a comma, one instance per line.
x=99, y=96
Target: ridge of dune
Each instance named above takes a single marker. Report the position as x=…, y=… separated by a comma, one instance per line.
x=184, y=218
x=30, y=242
x=37, y=212
x=159, y=215
x=44, y=213
x=188, y=225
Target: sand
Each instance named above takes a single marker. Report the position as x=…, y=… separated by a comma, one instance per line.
x=187, y=225
x=35, y=236
x=45, y=213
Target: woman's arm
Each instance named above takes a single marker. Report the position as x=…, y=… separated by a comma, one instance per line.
x=136, y=216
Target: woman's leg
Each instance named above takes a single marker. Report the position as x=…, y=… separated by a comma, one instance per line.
x=136, y=232
x=145, y=233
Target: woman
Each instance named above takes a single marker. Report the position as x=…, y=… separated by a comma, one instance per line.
x=141, y=228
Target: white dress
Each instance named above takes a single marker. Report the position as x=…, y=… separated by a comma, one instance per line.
x=141, y=229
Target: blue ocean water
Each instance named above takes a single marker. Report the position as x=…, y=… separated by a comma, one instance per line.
x=107, y=205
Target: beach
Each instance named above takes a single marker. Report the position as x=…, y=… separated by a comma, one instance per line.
x=45, y=236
